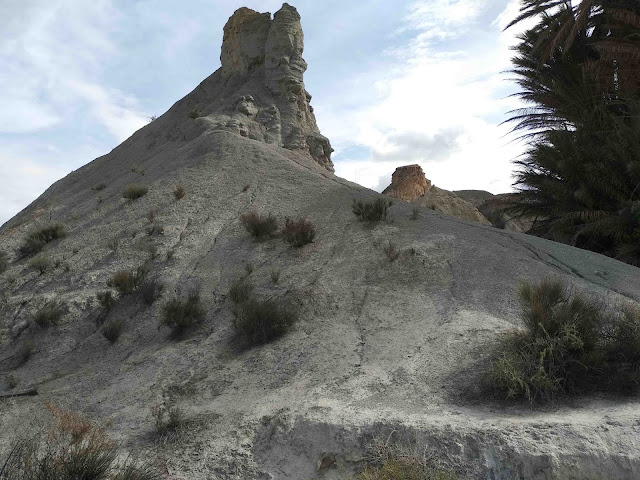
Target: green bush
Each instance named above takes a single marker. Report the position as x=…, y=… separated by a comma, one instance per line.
x=195, y=113
x=99, y=187
x=298, y=232
x=261, y=321
x=134, y=191
x=126, y=281
x=151, y=290
x=181, y=314
x=41, y=263
x=106, y=299
x=49, y=314
x=258, y=225
x=569, y=345
x=72, y=449
x=373, y=211
x=4, y=262
x=35, y=241
x=240, y=290
x=112, y=329
x=179, y=192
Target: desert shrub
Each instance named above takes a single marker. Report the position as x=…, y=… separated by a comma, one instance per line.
x=72, y=449
x=373, y=211
x=151, y=290
x=167, y=418
x=12, y=381
x=49, y=314
x=112, y=329
x=179, y=192
x=275, y=276
x=415, y=213
x=155, y=229
x=113, y=244
x=259, y=225
x=570, y=344
x=127, y=281
x=180, y=314
x=137, y=169
x=260, y=321
x=99, y=187
x=26, y=351
x=195, y=113
x=149, y=246
x=391, y=460
x=106, y=299
x=152, y=214
x=248, y=267
x=392, y=252
x=41, y=263
x=35, y=241
x=240, y=290
x=134, y=191
x=4, y=262
x=298, y=232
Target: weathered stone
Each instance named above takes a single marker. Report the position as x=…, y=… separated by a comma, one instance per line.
x=408, y=183
x=263, y=56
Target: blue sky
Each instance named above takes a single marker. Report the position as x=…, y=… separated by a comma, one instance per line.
x=393, y=83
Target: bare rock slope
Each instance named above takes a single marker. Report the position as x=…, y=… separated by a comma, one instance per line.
x=379, y=346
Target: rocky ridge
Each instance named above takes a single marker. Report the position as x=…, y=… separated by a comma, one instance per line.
x=408, y=183
x=382, y=349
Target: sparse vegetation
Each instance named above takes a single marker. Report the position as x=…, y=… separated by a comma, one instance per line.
x=106, y=299
x=155, y=229
x=134, y=191
x=152, y=214
x=259, y=225
x=246, y=187
x=72, y=449
x=180, y=314
x=392, y=252
x=179, y=192
x=99, y=187
x=112, y=329
x=372, y=211
x=12, y=381
x=195, y=113
x=248, y=267
x=37, y=239
x=151, y=290
x=49, y=314
x=113, y=244
x=395, y=461
x=275, y=276
x=137, y=169
x=167, y=419
x=126, y=281
x=42, y=263
x=298, y=232
x=415, y=213
x=570, y=344
x=240, y=290
x=4, y=262
x=26, y=350
x=260, y=321
x=147, y=245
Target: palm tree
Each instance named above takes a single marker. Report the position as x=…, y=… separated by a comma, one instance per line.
x=580, y=176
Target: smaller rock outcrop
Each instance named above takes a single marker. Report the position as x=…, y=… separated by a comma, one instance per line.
x=494, y=207
x=408, y=183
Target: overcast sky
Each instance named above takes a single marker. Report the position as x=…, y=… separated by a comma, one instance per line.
x=393, y=83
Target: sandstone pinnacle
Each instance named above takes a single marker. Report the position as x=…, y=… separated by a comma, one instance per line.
x=264, y=93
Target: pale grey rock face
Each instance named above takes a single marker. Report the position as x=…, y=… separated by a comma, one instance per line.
x=264, y=56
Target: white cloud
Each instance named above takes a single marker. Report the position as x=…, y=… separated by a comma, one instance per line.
x=440, y=102
x=51, y=48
